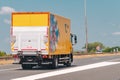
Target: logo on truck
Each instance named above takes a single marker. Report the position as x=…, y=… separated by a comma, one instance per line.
x=66, y=28
x=54, y=33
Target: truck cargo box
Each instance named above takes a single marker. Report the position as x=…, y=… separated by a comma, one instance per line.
x=40, y=31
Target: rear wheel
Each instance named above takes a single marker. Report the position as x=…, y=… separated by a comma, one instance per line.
x=55, y=63
x=68, y=63
x=27, y=66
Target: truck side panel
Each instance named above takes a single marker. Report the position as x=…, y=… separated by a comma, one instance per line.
x=59, y=35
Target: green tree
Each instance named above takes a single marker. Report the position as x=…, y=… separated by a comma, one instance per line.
x=107, y=49
x=110, y=49
x=92, y=46
x=2, y=53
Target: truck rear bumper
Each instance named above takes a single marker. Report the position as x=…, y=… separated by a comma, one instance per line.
x=35, y=59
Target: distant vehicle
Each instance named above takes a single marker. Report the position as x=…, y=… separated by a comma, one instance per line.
x=41, y=38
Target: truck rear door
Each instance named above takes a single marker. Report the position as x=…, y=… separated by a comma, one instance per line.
x=30, y=42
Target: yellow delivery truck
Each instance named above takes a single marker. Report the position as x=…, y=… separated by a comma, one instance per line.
x=42, y=38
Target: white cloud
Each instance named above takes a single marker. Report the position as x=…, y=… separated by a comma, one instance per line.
x=116, y=33
x=6, y=10
x=7, y=21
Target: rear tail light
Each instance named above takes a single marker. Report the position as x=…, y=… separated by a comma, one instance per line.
x=15, y=56
x=44, y=56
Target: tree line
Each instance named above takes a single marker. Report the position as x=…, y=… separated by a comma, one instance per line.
x=2, y=53
x=99, y=47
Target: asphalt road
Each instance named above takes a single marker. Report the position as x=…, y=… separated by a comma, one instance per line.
x=97, y=68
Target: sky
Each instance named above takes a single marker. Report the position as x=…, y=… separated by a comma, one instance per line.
x=103, y=17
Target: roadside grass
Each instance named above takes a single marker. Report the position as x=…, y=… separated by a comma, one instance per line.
x=4, y=62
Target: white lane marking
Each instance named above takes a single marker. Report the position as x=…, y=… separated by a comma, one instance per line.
x=65, y=71
x=8, y=69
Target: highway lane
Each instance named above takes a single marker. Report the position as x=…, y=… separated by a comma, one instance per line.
x=103, y=73
x=13, y=71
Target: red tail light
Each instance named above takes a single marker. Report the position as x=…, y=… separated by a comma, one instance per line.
x=44, y=56
x=15, y=56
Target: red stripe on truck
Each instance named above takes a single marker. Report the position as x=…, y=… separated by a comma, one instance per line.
x=28, y=49
x=43, y=49
x=15, y=49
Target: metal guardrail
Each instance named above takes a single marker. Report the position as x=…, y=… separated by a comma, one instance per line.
x=78, y=53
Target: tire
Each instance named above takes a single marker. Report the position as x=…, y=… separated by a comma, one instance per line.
x=71, y=57
x=55, y=63
x=68, y=63
x=27, y=66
